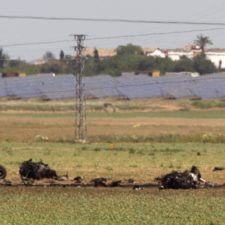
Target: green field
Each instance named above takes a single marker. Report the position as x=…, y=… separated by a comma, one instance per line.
x=62, y=206
x=140, y=161
x=141, y=141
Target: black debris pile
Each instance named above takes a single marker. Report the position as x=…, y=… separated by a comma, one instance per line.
x=36, y=170
x=218, y=168
x=99, y=182
x=104, y=182
x=130, y=181
x=3, y=172
x=183, y=180
x=115, y=183
x=78, y=179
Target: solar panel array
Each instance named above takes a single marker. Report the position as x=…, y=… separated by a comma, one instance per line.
x=128, y=85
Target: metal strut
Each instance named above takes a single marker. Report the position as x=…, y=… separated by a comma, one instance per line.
x=80, y=104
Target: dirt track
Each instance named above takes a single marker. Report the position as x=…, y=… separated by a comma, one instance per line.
x=49, y=183
x=29, y=122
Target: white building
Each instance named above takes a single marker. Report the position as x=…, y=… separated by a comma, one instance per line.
x=157, y=53
x=178, y=53
x=217, y=56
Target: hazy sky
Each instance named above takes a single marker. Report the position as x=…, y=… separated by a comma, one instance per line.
x=20, y=31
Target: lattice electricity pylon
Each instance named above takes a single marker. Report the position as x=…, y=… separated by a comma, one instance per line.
x=80, y=103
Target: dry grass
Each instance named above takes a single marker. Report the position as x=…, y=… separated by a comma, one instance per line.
x=121, y=105
x=25, y=129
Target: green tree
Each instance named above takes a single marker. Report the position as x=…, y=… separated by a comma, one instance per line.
x=202, y=41
x=61, y=55
x=15, y=63
x=97, y=63
x=48, y=56
x=146, y=64
x=111, y=66
x=3, y=58
x=184, y=64
x=96, y=56
x=203, y=65
x=129, y=50
x=163, y=64
x=52, y=67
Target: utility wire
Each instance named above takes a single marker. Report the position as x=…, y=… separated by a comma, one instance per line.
x=110, y=20
x=110, y=37
x=34, y=43
x=153, y=34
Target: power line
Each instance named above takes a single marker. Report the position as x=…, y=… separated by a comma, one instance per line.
x=83, y=19
x=34, y=43
x=110, y=37
x=153, y=34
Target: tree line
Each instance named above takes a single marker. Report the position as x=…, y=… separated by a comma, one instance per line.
x=129, y=58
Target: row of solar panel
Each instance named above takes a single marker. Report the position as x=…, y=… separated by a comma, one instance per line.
x=128, y=85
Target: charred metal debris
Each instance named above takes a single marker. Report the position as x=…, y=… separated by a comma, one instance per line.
x=3, y=172
x=31, y=171
x=182, y=180
x=36, y=170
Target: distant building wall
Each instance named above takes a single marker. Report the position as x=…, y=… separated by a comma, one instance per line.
x=102, y=52
x=217, y=58
x=176, y=55
x=157, y=53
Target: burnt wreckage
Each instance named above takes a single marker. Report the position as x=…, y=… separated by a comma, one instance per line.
x=30, y=171
x=36, y=170
x=3, y=172
x=183, y=180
